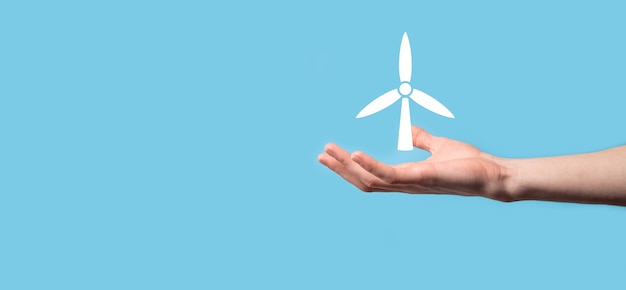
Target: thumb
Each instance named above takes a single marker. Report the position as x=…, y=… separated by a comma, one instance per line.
x=423, y=139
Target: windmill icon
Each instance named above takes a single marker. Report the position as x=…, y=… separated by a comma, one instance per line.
x=405, y=91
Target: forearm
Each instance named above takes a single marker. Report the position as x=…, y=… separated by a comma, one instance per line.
x=598, y=177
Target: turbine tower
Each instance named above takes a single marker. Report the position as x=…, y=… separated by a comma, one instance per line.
x=405, y=91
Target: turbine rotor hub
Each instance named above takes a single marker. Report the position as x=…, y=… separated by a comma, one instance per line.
x=405, y=89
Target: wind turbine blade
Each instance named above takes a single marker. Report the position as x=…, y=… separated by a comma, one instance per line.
x=430, y=103
x=380, y=103
x=405, y=62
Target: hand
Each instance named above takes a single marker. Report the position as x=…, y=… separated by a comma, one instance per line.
x=453, y=168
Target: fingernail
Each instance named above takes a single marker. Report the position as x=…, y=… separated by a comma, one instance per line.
x=356, y=159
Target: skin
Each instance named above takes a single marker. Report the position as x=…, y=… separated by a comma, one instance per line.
x=458, y=168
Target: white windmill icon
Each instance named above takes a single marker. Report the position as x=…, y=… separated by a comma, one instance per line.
x=405, y=91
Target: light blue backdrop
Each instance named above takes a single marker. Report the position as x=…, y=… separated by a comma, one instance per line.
x=173, y=144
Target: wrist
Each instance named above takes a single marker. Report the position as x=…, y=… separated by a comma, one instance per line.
x=506, y=183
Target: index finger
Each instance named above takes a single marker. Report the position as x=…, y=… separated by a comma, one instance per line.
x=381, y=170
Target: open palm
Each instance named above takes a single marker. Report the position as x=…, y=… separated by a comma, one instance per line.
x=454, y=168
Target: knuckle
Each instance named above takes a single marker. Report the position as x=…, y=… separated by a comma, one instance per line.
x=370, y=182
x=391, y=179
x=365, y=165
x=419, y=136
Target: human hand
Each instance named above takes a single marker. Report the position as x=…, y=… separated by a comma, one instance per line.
x=453, y=168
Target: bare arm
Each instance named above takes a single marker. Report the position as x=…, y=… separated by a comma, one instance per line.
x=459, y=168
x=598, y=177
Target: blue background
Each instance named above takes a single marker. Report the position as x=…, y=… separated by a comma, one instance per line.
x=173, y=144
